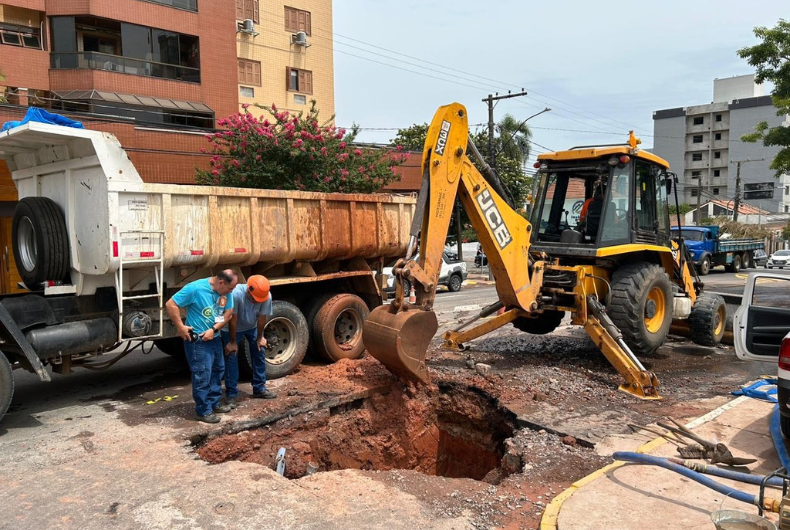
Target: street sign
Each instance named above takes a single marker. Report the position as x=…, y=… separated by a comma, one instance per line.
x=759, y=186
x=755, y=195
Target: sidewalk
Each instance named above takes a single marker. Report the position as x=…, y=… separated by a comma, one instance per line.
x=631, y=496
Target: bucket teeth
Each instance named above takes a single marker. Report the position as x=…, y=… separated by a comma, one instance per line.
x=399, y=340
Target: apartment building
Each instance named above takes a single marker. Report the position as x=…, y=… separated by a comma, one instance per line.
x=285, y=55
x=703, y=144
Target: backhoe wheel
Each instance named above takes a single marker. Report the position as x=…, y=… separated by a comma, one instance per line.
x=641, y=305
x=704, y=266
x=6, y=384
x=544, y=323
x=708, y=319
x=336, y=328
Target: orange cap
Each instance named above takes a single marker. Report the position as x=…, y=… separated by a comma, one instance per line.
x=258, y=287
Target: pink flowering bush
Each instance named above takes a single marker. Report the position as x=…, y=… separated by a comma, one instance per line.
x=287, y=151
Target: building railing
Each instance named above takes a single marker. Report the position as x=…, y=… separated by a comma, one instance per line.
x=125, y=65
x=188, y=5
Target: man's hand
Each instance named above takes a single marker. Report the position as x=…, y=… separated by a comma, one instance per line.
x=262, y=343
x=183, y=332
x=207, y=335
x=231, y=347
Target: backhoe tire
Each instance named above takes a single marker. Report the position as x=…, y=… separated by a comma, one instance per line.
x=286, y=333
x=544, y=323
x=704, y=266
x=708, y=319
x=41, y=242
x=641, y=305
x=6, y=384
x=336, y=329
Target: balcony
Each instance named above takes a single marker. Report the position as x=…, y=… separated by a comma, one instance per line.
x=186, y=5
x=123, y=65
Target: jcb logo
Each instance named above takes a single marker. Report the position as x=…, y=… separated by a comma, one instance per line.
x=441, y=142
x=494, y=218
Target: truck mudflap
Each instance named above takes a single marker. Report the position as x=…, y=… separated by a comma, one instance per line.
x=11, y=333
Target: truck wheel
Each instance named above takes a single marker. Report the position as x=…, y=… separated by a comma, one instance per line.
x=747, y=261
x=704, y=266
x=336, y=329
x=455, y=283
x=641, y=305
x=544, y=323
x=708, y=319
x=286, y=334
x=735, y=265
x=41, y=243
x=6, y=384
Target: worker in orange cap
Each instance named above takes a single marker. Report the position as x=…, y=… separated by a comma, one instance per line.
x=252, y=307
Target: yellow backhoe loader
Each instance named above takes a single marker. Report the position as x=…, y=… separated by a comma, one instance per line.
x=597, y=245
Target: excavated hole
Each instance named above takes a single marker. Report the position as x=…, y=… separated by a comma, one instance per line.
x=456, y=432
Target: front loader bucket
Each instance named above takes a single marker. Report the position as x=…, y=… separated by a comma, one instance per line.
x=400, y=340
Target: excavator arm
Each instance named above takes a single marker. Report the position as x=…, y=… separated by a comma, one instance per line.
x=398, y=334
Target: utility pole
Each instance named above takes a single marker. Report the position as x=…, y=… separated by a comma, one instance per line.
x=699, y=200
x=490, y=101
x=738, y=183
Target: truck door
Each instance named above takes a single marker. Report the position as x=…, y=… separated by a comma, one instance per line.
x=763, y=319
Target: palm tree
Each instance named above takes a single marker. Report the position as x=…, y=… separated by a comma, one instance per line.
x=514, y=138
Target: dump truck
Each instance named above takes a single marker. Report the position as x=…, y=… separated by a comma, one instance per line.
x=616, y=269
x=709, y=248
x=100, y=252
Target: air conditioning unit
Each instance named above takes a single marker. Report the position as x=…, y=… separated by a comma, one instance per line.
x=300, y=39
x=248, y=27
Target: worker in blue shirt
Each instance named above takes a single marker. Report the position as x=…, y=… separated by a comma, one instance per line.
x=252, y=307
x=208, y=307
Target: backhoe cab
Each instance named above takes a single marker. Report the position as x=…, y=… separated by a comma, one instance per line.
x=597, y=246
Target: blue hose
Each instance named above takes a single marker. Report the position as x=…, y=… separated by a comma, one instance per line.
x=640, y=458
x=730, y=474
x=778, y=439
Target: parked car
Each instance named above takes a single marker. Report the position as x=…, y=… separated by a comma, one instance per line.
x=779, y=259
x=452, y=275
x=761, y=329
x=480, y=258
x=760, y=258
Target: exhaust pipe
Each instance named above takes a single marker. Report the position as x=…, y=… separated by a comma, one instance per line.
x=85, y=336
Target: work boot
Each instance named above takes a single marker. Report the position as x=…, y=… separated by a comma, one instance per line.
x=266, y=394
x=209, y=418
x=231, y=402
x=222, y=409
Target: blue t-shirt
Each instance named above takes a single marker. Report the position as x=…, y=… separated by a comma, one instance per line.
x=248, y=311
x=204, y=306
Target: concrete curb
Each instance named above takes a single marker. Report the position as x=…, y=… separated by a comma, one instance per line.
x=550, y=519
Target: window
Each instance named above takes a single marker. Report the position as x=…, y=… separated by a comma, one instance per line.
x=787, y=208
x=696, y=157
x=787, y=190
x=769, y=292
x=717, y=154
x=299, y=80
x=715, y=191
x=247, y=9
x=716, y=172
x=299, y=99
x=697, y=139
x=718, y=117
x=297, y=20
x=20, y=36
x=694, y=192
x=246, y=92
x=249, y=72
x=189, y=5
x=696, y=174
x=718, y=136
x=699, y=120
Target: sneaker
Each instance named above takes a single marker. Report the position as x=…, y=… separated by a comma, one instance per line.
x=266, y=394
x=232, y=403
x=209, y=418
x=222, y=409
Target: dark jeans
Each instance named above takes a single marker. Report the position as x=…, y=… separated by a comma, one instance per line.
x=206, y=360
x=257, y=357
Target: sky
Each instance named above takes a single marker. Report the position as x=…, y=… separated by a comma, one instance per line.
x=602, y=66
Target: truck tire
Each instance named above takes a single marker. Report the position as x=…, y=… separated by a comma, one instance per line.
x=286, y=333
x=173, y=346
x=641, y=305
x=784, y=426
x=545, y=323
x=708, y=319
x=454, y=283
x=735, y=264
x=41, y=243
x=704, y=266
x=6, y=384
x=336, y=328
x=746, y=260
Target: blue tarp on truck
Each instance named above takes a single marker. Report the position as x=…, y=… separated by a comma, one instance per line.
x=42, y=116
x=709, y=249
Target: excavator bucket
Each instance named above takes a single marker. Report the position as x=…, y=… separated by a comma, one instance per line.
x=399, y=340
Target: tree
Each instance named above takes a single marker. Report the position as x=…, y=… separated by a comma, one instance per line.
x=411, y=138
x=771, y=60
x=287, y=151
x=684, y=209
x=514, y=136
x=786, y=231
